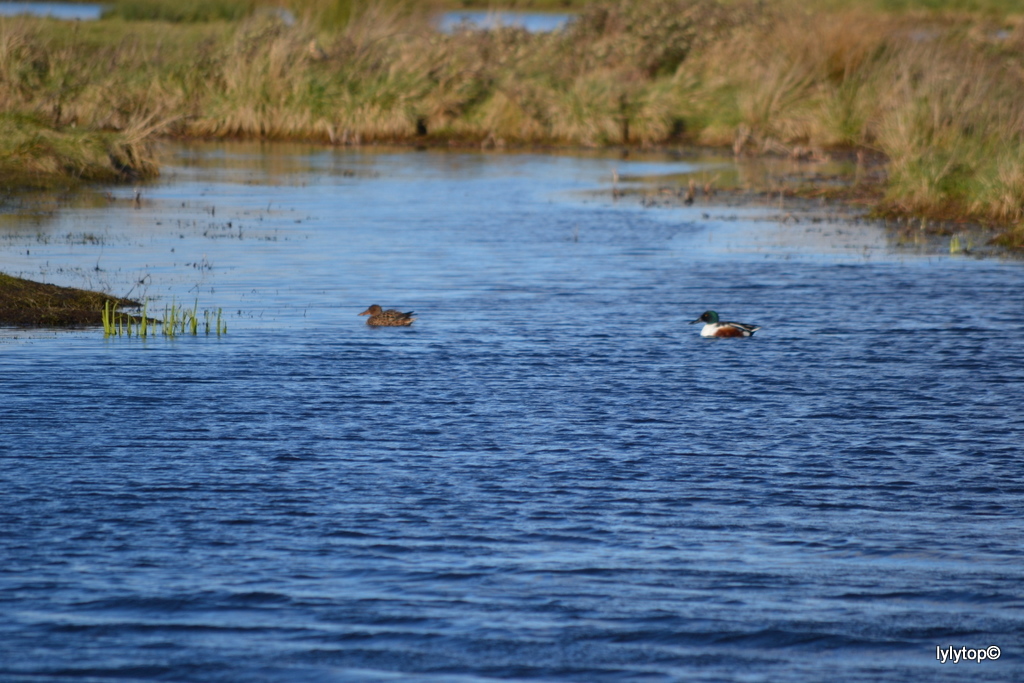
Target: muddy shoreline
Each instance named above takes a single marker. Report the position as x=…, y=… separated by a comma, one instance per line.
x=26, y=303
x=828, y=186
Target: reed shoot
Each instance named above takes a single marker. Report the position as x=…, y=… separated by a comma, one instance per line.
x=177, y=320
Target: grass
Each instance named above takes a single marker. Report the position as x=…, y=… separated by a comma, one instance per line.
x=179, y=11
x=177, y=320
x=35, y=153
x=934, y=86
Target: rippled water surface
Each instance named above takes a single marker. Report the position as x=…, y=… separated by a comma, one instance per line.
x=550, y=476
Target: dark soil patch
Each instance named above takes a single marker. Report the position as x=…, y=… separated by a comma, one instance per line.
x=25, y=303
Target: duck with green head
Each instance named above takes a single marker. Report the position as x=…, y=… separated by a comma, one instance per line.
x=713, y=327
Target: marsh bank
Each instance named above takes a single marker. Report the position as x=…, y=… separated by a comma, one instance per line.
x=936, y=94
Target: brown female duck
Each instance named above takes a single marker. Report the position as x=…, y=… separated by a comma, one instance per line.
x=389, y=318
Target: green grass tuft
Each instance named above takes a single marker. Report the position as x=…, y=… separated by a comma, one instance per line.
x=177, y=320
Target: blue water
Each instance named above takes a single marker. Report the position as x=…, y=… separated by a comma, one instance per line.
x=549, y=476
x=536, y=22
x=58, y=10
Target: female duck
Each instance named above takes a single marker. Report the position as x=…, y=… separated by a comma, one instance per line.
x=389, y=318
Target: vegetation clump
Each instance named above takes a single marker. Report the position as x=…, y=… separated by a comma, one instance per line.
x=24, y=303
x=36, y=154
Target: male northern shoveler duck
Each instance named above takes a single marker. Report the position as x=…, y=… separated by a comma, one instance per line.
x=714, y=328
x=389, y=318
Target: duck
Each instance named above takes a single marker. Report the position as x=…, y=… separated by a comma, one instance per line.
x=389, y=318
x=715, y=328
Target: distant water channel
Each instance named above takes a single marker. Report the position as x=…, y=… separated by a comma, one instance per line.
x=549, y=476
x=57, y=10
x=535, y=22
x=447, y=21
